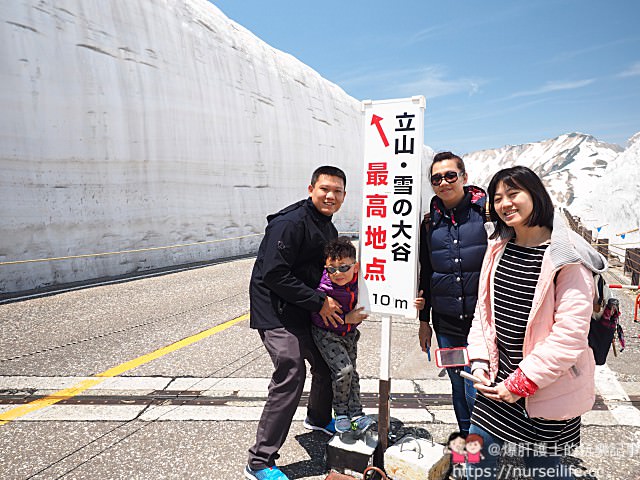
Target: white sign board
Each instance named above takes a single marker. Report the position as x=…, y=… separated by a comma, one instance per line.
x=391, y=209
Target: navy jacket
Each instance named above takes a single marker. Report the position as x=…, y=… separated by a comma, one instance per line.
x=289, y=266
x=452, y=248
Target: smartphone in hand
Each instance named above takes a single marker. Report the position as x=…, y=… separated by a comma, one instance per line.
x=452, y=357
x=473, y=378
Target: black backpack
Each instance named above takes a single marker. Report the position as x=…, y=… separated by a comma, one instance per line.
x=604, y=320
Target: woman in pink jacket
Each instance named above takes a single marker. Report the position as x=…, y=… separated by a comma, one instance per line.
x=528, y=340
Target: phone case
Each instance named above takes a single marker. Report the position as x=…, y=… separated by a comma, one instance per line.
x=439, y=362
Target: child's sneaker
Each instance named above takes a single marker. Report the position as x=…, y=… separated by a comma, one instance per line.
x=343, y=424
x=270, y=473
x=362, y=424
x=329, y=428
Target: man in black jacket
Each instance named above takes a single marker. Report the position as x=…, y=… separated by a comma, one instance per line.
x=283, y=294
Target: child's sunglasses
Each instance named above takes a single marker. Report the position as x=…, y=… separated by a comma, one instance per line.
x=341, y=268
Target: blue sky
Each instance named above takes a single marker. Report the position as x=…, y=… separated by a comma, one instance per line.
x=494, y=73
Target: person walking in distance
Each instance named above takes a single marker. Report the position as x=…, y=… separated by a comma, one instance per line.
x=452, y=244
x=282, y=294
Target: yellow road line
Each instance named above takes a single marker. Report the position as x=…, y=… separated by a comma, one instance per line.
x=80, y=387
x=137, y=250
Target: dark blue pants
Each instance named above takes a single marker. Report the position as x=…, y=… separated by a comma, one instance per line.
x=462, y=392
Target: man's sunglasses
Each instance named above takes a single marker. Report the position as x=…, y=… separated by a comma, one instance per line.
x=341, y=269
x=450, y=177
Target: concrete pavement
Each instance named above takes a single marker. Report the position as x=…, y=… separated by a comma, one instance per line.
x=192, y=411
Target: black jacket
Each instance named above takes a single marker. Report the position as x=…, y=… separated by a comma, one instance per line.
x=289, y=267
x=452, y=248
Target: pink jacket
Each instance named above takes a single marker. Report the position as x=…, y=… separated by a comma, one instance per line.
x=556, y=355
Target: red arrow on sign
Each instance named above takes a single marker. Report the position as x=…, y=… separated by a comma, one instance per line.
x=375, y=120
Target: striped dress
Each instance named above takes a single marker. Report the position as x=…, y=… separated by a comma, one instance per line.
x=514, y=285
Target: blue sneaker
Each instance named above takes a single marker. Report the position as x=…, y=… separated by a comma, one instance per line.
x=362, y=424
x=270, y=473
x=329, y=428
x=342, y=423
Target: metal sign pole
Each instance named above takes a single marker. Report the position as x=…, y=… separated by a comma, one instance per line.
x=384, y=422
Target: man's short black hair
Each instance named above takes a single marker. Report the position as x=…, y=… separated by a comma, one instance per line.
x=328, y=170
x=522, y=178
x=340, y=247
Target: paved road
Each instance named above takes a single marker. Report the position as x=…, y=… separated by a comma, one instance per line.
x=162, y=378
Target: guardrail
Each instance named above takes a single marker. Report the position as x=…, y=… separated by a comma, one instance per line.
x=632, y=264
x=602, y=245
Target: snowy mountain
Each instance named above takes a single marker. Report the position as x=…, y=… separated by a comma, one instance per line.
x=568, y=164
x=614, y=201
x=596, y=181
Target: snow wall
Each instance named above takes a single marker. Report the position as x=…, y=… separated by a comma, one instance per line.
x=149, y=123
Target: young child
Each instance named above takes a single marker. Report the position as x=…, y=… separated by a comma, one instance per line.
x=338, y=345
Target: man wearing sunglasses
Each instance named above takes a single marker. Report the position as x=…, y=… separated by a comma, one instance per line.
x=452, y=245
x=283, y=294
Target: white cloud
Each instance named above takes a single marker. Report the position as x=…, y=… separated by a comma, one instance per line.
x=553, y=87
x=563, y=57
x=454, y=118
x=632, y=71
x=427, y=33
x=432, y=82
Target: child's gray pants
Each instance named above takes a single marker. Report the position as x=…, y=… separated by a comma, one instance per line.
x=340, y=353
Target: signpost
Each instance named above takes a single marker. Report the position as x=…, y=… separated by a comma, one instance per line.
x=391, y=212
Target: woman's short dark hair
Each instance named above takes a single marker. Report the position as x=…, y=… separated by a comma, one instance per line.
x=522, y=178
x=442, y=156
